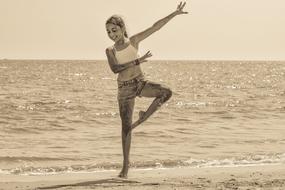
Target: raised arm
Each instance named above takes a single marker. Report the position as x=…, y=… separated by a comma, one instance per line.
x=137, y=38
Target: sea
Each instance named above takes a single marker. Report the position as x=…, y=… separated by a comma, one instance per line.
x=61, y=116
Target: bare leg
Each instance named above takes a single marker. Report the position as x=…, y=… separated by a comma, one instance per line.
x=126, y=113
x=126, y=144
x=162, y=95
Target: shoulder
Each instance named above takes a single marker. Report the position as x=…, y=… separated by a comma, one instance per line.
x=110, y=53
x=134, y=42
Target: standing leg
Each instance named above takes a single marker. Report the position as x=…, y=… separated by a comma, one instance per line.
x=126, y=113
x=161, y=94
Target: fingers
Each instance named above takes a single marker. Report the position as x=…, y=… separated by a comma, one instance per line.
x=149, y=53
x=183, y=5
x=178, y=6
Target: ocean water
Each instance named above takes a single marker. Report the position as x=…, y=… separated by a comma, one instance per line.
x=62, y=116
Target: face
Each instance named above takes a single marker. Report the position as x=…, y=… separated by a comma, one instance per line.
x=115, y=32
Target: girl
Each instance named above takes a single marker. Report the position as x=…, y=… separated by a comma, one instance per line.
x=123, y=59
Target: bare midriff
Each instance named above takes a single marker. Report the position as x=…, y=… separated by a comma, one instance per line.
x=130, y=73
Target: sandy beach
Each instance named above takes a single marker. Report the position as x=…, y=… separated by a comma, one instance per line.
x=250, y=177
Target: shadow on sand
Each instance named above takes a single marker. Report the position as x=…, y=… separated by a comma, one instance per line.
x=107, y=182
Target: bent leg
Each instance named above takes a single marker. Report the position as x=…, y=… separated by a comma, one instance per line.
x=161, y=94
x=126, y=113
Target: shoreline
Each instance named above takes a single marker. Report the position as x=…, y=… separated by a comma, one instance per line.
x=245, y=177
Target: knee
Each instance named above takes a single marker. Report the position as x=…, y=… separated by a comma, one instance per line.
x=165, y=94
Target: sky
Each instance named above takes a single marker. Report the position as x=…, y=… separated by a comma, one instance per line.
x=75, y=29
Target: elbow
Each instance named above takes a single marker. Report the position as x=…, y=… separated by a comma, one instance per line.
x=115, y=70
x=157, y=26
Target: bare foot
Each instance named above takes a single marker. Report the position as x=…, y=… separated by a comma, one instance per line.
x=123, y=174
x=140, y=120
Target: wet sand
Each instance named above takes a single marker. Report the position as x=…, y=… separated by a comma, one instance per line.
x=240, y=178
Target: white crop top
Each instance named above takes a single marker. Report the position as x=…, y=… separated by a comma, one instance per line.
x=130, y=53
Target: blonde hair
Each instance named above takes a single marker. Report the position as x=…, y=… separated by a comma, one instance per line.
x=119, y=21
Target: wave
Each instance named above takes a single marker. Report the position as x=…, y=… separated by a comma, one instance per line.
x=15, y=159
x=242, y=161
x=253, y=160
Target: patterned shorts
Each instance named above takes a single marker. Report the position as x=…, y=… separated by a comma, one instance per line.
x=128, y=90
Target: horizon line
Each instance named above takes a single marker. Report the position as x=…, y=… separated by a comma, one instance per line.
x=251, y=60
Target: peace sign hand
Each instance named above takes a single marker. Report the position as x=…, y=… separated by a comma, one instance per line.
x=179, y=9
x=144, y=57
